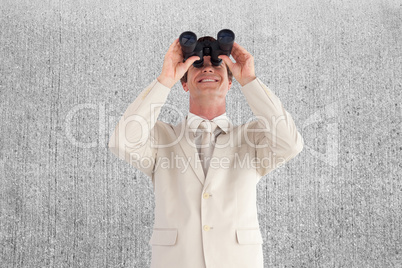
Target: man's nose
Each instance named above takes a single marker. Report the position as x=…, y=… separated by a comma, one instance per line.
x=207, y=68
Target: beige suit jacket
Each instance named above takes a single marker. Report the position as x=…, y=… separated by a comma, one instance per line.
x=206, y=221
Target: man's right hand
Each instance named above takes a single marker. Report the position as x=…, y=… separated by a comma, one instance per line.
x=173, y=66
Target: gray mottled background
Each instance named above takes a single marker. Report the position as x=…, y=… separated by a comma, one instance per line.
x=69, y=69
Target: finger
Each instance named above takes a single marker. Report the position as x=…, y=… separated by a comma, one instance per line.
x=227, y=60
x=173, y=45
x=235, y=48
x=239, y=52
x=175, y=42
x=190, y=61
x=177, y=48
x=238, y=46
x=239, y=49
x=177, y=45
x=174, y=51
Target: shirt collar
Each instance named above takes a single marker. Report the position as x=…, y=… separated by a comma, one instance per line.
x=193, y=121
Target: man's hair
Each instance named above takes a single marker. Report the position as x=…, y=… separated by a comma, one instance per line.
x=208, y=38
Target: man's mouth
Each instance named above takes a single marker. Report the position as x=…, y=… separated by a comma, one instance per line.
x=207, y=80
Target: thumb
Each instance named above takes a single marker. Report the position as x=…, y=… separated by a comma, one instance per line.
x=227, y=60
x=190, y=61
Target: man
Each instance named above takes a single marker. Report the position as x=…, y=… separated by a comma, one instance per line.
x=205, y=170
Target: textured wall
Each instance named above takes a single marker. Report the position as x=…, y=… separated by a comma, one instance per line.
x=69, y=69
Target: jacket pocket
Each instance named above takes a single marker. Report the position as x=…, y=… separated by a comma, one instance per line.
x=163, y=237
x=249, y=236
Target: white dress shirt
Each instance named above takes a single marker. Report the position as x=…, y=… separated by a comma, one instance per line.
x=193, y=126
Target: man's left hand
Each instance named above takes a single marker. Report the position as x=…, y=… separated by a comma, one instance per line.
x=243, y=69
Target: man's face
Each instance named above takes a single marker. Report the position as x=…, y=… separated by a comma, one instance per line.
x=208, y=81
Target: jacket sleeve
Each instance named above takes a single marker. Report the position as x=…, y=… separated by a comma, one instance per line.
x=135, y=135
x=274, y=135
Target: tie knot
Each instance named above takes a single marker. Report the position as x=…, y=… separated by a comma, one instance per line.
x=208, y=126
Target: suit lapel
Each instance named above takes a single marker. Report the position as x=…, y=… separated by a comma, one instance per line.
x=189, y=149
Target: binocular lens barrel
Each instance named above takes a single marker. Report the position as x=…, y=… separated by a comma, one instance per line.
x=190, y=46
x=226, y=39
x=188, y=41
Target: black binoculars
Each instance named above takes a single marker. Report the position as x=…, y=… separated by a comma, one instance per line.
x=222, y=46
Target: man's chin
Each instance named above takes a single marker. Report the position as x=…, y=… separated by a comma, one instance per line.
x=208, y=85
x=209, y=89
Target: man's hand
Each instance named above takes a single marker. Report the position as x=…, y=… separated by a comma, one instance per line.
x=173, y=66
x=243, y=69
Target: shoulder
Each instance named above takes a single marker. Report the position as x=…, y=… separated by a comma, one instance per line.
x=167, y=131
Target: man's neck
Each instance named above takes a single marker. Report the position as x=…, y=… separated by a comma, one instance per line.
x=207, y=110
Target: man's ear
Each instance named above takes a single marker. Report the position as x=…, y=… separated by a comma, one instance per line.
x=184, y=84
x=230, y=84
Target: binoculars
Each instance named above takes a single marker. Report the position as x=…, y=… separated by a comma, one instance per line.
x=222, y=46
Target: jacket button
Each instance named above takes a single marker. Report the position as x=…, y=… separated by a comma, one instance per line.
x=205, y=195
x=206, y=228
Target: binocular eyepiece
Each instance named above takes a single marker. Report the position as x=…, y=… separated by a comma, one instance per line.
x=222, y=46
